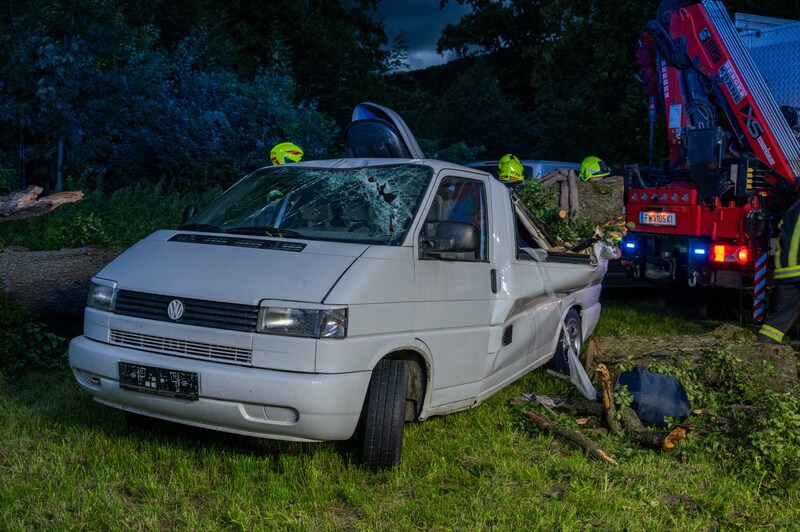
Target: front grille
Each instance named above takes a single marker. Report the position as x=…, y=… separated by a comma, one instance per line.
x=170, y=346
x=197, y=312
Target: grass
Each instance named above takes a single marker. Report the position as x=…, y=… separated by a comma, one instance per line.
x=645, y=316
x=68, y=462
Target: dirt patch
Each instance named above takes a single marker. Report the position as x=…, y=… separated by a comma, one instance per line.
x=770, y=366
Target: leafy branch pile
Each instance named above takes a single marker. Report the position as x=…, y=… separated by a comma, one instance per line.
x=543, y=202
x=566, y=227
x=750, y=431
x=747, y=431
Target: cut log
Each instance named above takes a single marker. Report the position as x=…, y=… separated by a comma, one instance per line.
x=27, y=204
x=16, y=201
x=577, y=438
x=673, y=438
x=632, y=426
x=567, y=183
x=601, y=199
x=580, y=406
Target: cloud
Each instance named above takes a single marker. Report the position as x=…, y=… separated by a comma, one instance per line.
x=423, y=22
x=419, y=59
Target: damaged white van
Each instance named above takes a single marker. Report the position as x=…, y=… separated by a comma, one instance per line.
x=339, y=299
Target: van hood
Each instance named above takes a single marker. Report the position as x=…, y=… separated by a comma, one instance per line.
x=233, y=269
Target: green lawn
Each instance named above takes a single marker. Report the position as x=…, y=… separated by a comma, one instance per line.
x=68, y=462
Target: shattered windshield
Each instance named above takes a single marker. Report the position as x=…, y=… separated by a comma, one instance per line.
x=372, y=205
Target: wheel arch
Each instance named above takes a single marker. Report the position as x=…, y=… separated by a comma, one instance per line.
x=419, y=370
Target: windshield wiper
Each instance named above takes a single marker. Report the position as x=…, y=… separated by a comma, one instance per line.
x=263, y=231
x=207, y=228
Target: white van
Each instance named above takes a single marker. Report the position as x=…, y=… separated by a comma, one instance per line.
x=331, y=300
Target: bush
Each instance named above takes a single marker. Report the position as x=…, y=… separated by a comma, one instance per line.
x=26, y=345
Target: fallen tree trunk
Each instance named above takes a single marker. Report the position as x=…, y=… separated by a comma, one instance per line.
x=53, y=284
x=27, y=204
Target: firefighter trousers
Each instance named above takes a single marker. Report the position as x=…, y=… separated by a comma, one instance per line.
x=787, y=307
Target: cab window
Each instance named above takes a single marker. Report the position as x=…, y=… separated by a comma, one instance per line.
x=458, y=211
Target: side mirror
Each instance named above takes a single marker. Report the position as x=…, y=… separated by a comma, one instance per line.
x=450, y=237
x=188, y=212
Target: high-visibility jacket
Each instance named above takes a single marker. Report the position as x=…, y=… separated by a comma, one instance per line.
x=787, y=257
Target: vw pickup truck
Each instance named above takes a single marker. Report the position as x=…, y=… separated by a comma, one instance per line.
x=336, y=300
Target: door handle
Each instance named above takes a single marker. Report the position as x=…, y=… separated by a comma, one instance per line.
x=493, y=276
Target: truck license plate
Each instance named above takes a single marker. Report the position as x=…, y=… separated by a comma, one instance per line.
x=161, y=381
x=657, y=218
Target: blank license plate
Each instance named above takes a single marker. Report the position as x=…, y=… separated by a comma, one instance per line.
x=657, y=218
x=161, y=381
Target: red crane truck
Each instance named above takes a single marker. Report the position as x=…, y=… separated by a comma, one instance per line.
x=730, y=102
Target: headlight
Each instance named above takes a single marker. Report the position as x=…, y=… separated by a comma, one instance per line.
x=311, y=323
x=102, y=294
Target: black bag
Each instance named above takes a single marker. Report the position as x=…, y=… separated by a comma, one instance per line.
x=655, y=396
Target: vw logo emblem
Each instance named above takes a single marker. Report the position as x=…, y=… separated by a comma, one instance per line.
x=175, y=309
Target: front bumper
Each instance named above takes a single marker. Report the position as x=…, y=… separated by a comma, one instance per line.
x=242, y=400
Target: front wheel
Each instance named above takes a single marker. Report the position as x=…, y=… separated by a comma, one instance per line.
x=571, y=337
x=381, y=439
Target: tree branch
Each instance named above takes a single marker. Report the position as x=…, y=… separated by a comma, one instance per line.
x=570, y=435
x=27, y=204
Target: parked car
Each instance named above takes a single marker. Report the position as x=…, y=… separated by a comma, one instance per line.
x=335, y=300
x=533, y=168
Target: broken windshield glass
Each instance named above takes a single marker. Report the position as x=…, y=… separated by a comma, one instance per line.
x=373, y=205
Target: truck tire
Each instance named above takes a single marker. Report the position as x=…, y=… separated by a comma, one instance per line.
x=381, y=440
x=572, y=325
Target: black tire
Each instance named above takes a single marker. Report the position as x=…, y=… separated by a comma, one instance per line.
x=383, y=421
x=560, y=360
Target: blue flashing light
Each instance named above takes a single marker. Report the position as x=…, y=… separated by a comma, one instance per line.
x=630, y=245
x=700, y=251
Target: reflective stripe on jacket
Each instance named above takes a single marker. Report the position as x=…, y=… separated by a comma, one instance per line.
x=787, y=263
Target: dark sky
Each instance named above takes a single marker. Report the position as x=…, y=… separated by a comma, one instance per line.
x=423, y=22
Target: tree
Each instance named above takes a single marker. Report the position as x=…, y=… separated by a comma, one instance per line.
x=474, y=111
x=87, y=92
x=398, y=56
x=571, y=64
x=200, y=124
x=334, y=48
x=57, y=60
